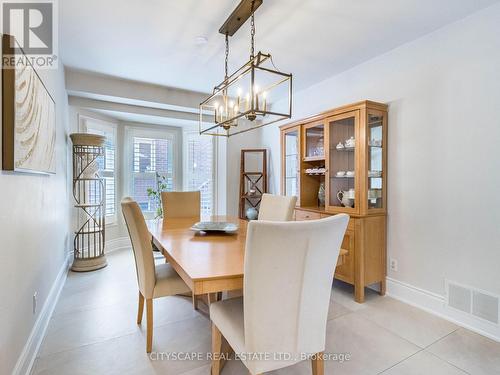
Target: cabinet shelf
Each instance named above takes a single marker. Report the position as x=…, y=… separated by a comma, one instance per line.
x=344, y=149
x=314, y=158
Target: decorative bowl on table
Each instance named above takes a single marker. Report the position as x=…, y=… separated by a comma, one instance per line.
x=215, y=226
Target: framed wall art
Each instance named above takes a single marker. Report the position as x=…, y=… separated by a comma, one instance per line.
x=28, y=114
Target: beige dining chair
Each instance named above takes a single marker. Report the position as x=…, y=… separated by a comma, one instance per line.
x=181, y=204
x=277, y=207
x=154, y=281
x=286, y=297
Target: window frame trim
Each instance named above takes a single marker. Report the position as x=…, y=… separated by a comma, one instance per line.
x=185, y=157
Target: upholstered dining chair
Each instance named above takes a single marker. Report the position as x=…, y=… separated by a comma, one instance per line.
x=277, y=207
x=154, y=281
x=286, y=295
x=181, y=204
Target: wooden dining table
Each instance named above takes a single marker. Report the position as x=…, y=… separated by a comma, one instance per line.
x=209, y=263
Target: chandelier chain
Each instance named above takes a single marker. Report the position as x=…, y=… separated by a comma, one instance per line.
x=252, y=32
x=227, y=57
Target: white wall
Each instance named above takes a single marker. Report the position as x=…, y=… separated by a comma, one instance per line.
x=443, y=92
x=234, y=146
x=34, y=236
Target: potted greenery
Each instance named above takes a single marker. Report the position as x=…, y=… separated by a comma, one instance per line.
x=155, y=194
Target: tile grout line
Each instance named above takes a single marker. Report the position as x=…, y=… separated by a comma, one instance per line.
x=442, y=359
x=442, y=338
x=391, y=332
x=397, y=363
x=424, y=350
x=114, y=337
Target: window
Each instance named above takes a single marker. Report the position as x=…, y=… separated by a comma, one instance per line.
x=199, y=168
x=107, y=163
x=152, y=157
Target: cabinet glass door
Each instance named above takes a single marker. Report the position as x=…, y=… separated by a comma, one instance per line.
x=342, y=135
x=314, y=142
x=291, y=148
x=376, y=154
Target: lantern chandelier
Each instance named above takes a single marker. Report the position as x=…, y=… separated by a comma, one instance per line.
x=257, y=94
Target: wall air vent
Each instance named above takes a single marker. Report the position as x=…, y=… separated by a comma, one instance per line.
x=472, y=301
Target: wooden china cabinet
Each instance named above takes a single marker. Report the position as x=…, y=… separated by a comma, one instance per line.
x=343, y=150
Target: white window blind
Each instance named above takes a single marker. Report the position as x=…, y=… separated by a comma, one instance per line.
x=199, y=169
x=152, y=157
x=107, y=163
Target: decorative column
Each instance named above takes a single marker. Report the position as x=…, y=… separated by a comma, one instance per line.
x=89, y=194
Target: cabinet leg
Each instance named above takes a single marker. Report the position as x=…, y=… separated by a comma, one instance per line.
x=382, y=287
x=359, y=293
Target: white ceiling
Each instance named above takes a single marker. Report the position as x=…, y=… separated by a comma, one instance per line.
x=155, y=40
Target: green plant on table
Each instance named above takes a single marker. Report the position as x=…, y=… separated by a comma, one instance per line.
x=155, y=194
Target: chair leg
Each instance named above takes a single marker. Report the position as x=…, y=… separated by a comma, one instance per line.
x=216, y=349
x=149, y=335
x=318, y=366
x=140, y=310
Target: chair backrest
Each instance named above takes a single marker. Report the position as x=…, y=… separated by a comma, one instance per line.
x=277, y=207
x=141, y=244
x=289, y=269
x=179, y=204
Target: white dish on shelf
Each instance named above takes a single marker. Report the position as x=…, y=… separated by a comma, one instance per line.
x=215, y=226
x=340, y=146
x=350, y=143
x=340, y=174
x=375, y=143
x=349, y=173
x=374, y=173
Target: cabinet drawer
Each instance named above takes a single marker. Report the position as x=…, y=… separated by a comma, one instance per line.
x=350, y=226
x=306, y=215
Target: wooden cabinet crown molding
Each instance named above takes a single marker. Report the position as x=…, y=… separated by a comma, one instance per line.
x=337, y=111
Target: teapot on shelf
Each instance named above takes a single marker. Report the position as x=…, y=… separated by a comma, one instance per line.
x=346, y=198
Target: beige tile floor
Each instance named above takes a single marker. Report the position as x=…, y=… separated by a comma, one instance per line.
x=93, y=331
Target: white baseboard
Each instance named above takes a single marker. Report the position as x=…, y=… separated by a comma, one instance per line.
x=117, y=244
x=436, y=304
x=30, y=350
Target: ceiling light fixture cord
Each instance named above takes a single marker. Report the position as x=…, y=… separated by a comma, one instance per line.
x=252, y=32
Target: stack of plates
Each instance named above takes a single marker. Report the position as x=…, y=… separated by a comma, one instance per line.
x=215, y=226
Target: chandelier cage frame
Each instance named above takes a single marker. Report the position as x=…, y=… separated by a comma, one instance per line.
x=249, y=68
x=230, y=119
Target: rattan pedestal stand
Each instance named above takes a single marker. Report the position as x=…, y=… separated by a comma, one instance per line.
x=89, y=193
